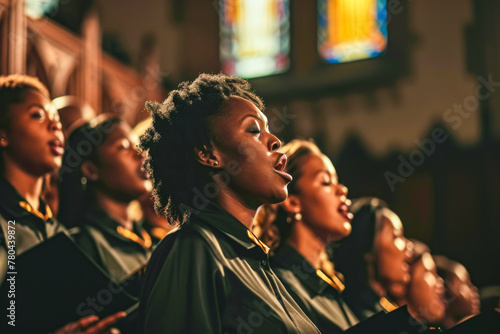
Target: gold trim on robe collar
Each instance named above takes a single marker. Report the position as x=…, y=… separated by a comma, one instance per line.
x=26, y=206
x=144, y=242
x=387, y=304
x=333, y=281
x=256, y=241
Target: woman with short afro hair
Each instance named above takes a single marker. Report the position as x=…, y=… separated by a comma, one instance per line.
x=213, y=162
x=179, y=125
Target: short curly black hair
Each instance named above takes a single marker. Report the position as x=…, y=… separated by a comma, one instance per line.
x=180, y=125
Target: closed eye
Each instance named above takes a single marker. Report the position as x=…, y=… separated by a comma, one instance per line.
x=255, y=130
x=326, y=178
x=37, y=114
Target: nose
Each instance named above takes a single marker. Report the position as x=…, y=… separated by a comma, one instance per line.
x=440, y=284
x=55, y=125
x=409, y=250
x=342, y=190
x=273, y=143
x=141, y=155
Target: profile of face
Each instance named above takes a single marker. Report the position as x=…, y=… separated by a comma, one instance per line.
x=321, y=199
x=425, y=291
x=33, y=140
x=391, y=254
x=246, y=155
x=118, y=171
x=462, y=296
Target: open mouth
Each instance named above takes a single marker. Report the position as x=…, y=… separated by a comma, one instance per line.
x=440, y=293
x=56, y=147
x=143, y=173
x=280, y=166
x=344, y=210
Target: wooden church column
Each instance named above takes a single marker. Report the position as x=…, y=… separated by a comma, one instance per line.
x=91, y=70
x=14, y=38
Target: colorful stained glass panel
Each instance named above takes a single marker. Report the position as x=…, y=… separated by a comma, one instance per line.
x=254, y=37
x=351, y=29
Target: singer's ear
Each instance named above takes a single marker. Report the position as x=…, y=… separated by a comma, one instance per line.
x=292, y=204
x=208, y=156
x=89, y=170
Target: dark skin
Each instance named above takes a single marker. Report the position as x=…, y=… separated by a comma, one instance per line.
x=243, y=156
x=320, y=199
x=32, y=148
x=462, y=296
x=391, y=256
x=118, y=175
x=92, y=325
x=29, y=146
x=425, y=291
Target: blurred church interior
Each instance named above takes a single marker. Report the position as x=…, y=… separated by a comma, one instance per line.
x=406, y=106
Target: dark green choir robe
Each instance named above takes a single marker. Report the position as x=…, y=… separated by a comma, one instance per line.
x=315, y=292
x=212, y=275
x=31, y=226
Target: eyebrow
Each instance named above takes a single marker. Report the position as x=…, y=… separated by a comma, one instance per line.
x=47, y=111
x=37, y=105
x=256, y=117
x=329, y=173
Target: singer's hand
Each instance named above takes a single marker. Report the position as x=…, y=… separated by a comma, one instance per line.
x=92, y=325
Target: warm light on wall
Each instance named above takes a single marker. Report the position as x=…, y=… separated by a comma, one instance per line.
x=38, y=8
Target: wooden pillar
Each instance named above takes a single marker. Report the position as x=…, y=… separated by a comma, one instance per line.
x=4, y=32
x=13, y=58
x=91, y=73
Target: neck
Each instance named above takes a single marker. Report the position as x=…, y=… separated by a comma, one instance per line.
x=306, y=243
x=400, y=301
x=155, y=220
x=449, y=321
x=150, y=215
x=115, y=209
x=27, y=185
x=378, y=288
x=374, y=284
x=236, y=207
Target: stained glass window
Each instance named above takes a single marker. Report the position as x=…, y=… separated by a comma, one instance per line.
x=351, y=29
x=254, y=37
x=38, y=8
